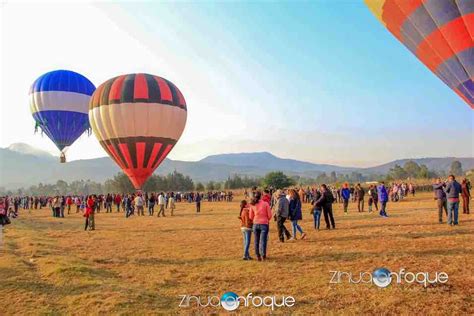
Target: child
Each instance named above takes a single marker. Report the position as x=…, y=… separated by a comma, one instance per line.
x=246, y=227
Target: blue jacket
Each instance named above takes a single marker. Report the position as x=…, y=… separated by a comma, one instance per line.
x=382, y=193
x=295, y=210
x=453, y=189
x=346, y=193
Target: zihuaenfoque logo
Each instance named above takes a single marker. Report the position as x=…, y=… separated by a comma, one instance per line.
x=382, y=277
x=230, y=301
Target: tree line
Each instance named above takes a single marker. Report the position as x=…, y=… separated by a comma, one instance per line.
x=176, y=181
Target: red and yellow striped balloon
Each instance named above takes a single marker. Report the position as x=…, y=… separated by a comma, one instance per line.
x=138, y=118
x=439, y=32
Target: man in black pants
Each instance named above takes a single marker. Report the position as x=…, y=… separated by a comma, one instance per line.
x=282, y=211
x=325, y=201
x=198, y=202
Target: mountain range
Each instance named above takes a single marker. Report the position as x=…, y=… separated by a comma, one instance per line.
x=22, y=165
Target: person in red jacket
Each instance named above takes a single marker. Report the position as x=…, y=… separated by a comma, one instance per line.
x=266, y=196
x=117, y=201
x=89, y=213
x=69, y=203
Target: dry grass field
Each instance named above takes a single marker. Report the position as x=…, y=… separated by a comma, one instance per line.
x=142, y=265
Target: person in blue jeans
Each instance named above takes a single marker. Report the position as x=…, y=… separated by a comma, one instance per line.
x=346, y=195
x=317, y=210
x=246, y=227
x=383, y=198
x=452, y=189
x=260, y=214
x=296, y=214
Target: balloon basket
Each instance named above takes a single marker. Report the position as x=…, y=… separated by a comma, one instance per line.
x=62, y=158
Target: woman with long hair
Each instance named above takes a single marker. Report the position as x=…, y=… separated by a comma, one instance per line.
x=296, y=214
x=260, y=214
x=246, y=228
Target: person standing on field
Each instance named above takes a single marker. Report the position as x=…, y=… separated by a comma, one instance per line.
x=282, y=212
x=161, y=205
x=466, y=195
x=440, y=197
x=246, y=225
x=171, y=203
x=198, y=202
x=359, y=193
x=260, y=214
x=139, y=204
x=383, y=198
x=346, y=195
x=453, y=190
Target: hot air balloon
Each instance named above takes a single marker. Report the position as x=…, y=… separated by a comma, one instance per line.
x=439, y=32
x=137, y=118
x=59, y=102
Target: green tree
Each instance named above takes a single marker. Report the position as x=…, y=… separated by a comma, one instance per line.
x=412, y=169
x=397, y=172
x=456, y=168
x=277, y=179
x=199, y=187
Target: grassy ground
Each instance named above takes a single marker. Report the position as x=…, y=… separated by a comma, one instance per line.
x=143, y=265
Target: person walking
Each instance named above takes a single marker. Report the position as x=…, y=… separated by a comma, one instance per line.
x=440, y=197
x=282, y=212
x=383, y=198
x=246, y=225
x=453, y=190
x=359, y=193
x=260, y=214
x=296, y=214
x=346, y=195
x=161, y=205
x=466, y=195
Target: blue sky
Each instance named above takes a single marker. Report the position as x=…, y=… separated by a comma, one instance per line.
x=321, y=81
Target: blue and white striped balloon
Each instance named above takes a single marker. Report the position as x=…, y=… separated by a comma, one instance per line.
x=59, y=103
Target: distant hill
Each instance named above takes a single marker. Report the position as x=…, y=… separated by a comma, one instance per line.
x=266, y=160
x=436, y=164
x=22, y=165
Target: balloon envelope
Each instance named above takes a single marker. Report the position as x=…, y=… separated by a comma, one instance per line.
x=138, y=118
x=59, y=103
x=439, y=32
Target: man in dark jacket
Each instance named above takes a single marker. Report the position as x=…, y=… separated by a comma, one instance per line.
x=359, y=194
x=453, y=189
x=282, y=212
x=440, y=197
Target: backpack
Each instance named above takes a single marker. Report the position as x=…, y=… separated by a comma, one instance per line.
x=330, y=197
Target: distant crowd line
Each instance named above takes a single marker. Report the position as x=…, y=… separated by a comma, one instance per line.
x=256, y=209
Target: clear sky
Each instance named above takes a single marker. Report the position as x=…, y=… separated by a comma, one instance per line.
x=320, y=81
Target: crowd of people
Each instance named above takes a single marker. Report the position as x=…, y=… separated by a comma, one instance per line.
x=448, y=196
x=256, y=210
x=283, y=205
